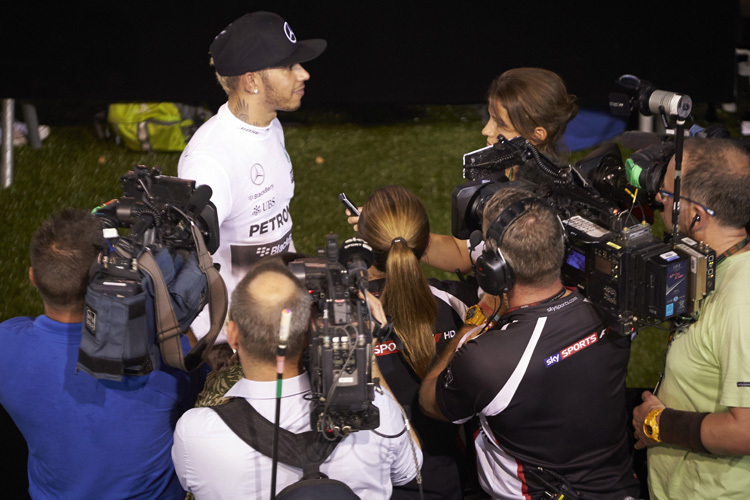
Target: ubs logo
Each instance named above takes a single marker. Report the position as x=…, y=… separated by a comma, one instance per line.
x=289, y=33
x=257, y=174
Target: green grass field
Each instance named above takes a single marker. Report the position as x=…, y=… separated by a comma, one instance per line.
x=418, y=147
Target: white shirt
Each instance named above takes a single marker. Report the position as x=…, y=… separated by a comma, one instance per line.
x=252, y=180
x=212, y=462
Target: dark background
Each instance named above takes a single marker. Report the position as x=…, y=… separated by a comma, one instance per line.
x=408, y=52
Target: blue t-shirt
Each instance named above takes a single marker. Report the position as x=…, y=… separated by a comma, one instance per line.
x=89, y=438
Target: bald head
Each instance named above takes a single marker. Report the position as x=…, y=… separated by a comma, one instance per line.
x=267, y=289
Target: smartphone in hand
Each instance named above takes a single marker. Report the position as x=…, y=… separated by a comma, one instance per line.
x=348, y=204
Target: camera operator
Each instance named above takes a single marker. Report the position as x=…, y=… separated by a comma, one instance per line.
x=698, y=423
x=240, y=152
x=532, y=103
x=426, y=314
x=87, y=437
x=547, y=382
x=213, y=462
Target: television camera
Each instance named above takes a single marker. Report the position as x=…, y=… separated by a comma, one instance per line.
x=159, y=210
x=340, y=352
x=633, y=278
x=148, y=284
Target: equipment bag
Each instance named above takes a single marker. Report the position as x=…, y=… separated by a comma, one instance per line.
x=155, y=126
x=127, y=311
x=305, y=451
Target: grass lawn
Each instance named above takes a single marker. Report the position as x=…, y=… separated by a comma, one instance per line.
x=354, y=151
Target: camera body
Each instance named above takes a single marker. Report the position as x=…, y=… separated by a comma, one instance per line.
x=157, y=208
x=340, y=352
x=158, y=265
x=632, y=277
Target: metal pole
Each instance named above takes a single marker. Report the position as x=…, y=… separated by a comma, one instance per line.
x=32, y=123
x=6, y=166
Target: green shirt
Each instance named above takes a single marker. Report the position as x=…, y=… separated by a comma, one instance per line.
x=708, y=370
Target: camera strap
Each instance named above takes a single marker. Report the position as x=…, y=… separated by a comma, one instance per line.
x=168, y=330
x=306, y=450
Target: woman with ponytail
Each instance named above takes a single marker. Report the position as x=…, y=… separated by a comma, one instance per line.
x=425, y=315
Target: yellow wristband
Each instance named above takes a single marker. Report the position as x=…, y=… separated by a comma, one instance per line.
x=650, y=426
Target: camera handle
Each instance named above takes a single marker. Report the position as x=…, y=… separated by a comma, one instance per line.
x=679, y=139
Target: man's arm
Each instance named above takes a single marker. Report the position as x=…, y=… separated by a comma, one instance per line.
x=725, y=433
x=427, y=400
x=447, y=253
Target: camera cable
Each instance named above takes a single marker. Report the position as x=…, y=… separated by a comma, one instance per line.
x=286, y=318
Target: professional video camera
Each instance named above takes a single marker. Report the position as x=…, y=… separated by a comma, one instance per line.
x=160, y=209
x=633, y=278
x=340, y=349
x=149, y=284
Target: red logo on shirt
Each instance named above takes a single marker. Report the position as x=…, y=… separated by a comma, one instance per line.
x=385, y=348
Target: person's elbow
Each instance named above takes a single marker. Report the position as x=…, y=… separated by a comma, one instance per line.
x=428, y=401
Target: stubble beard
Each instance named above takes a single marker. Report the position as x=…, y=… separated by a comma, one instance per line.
x=279, y=102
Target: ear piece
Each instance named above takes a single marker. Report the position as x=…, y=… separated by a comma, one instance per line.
x=694, y=222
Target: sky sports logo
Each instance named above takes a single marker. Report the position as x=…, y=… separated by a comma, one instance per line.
x=574, y=348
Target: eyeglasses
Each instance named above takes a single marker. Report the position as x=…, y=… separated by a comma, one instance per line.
x=665, y=193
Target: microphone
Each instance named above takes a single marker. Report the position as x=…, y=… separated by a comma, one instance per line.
x=198, y=200
x=475, y=239
x=286, y=319
x=357, y=256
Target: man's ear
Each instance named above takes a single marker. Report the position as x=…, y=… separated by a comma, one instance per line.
x=698, y=217
x=250, y=82
x=233, y=335
x=31, y=277
x=540, y=134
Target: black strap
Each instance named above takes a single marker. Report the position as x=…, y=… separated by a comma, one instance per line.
x=305, y=451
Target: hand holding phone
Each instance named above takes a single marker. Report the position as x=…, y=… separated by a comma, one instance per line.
x=348, y=204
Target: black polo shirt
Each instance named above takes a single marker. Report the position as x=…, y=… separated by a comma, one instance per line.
x=549, y=390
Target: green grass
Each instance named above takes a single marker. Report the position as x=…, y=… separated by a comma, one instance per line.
x=418, y=147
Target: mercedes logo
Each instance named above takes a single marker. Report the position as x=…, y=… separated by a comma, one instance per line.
x=289, y=33
x=257, y=175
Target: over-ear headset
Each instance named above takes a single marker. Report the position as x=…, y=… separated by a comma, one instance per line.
x=493, y=272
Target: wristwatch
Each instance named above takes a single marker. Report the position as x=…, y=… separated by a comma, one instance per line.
x=475, y=316
x=651, y=426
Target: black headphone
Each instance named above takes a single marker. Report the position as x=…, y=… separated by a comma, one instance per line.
x=493, y=272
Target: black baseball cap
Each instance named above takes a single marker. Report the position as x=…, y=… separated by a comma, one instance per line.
x=260, y=40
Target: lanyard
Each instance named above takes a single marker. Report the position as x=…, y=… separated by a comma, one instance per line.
x=556, y=296
x=732, y=250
